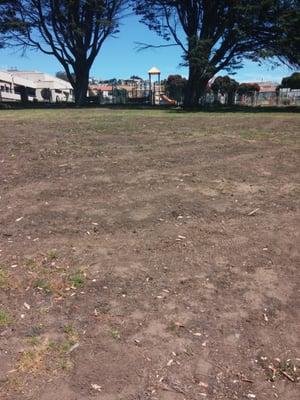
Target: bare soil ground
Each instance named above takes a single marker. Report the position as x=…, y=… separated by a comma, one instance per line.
x=149, y=255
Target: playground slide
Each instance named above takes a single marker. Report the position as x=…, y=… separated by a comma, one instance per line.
x=167, y=100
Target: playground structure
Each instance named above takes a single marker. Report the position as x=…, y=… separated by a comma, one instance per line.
x=155, y=86
x=166, y=100
x=157, y=90
x=133, y=91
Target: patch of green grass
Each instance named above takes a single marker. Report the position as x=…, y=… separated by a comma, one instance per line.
x=5, y=318
x=33, y=340
x=29, y=262
x=4, y=279
x=61, y=347
x=42, y=284
x=52, y=255
x=172, y=327
x=77, y=280
x=65, y=364
x=53, y=345
x=69, y=329
x=115, y=334
x=66, y=345
x=72, y=335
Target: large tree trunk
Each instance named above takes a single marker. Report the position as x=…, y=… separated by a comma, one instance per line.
x=81, y=84
x=195, y=88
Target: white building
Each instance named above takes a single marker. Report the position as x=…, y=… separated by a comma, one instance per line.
x=33, y=86
x=15, y=88
x=59, y=90
x=289, y=96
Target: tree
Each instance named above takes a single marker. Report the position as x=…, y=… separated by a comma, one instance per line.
x=287, y=46
x=5, y=16
x=216, y=35
x=8, y=21
x=291, y=82
x=112, y=81
x=73, y=31
x=226, y=86
x=175, y=86
x=62, y=75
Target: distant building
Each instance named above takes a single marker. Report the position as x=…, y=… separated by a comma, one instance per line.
x=106, y=91
x=60, y=90
x=267, y=93
x=15, y=88
x=289, y=96
x=33, y=86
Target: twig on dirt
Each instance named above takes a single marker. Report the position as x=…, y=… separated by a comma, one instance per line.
x=72, y=348
x=247, y=380
x=172, y=389
x=171, y=386
x=287, y=376
x=253, y=212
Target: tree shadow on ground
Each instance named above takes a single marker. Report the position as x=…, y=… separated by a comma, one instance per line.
x=172, y=109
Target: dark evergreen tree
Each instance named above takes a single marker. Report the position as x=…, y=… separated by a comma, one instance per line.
x=175, y=86
x=226, y=86
x=9, y=23
x=291, y=82
x=73, y=31
x=249, y=90
x=217, y=35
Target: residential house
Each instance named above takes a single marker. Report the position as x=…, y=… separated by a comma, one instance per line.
x=105, y=92
x=267, y=93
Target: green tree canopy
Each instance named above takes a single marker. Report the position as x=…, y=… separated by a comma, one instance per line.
x=217, y=35
x=175, y=86
x=73, y=31
x=225, y=85
x=8, y=21
x=287, y=45
x=248, y=88
x=291, y=82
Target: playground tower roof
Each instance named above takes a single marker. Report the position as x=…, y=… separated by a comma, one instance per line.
x=154, y=71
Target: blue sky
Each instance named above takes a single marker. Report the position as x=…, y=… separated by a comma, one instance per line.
x=119, y=58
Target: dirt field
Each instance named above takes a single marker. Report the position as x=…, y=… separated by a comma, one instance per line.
x=149, y=255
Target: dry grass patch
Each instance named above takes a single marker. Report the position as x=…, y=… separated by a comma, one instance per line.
x=5, y=318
